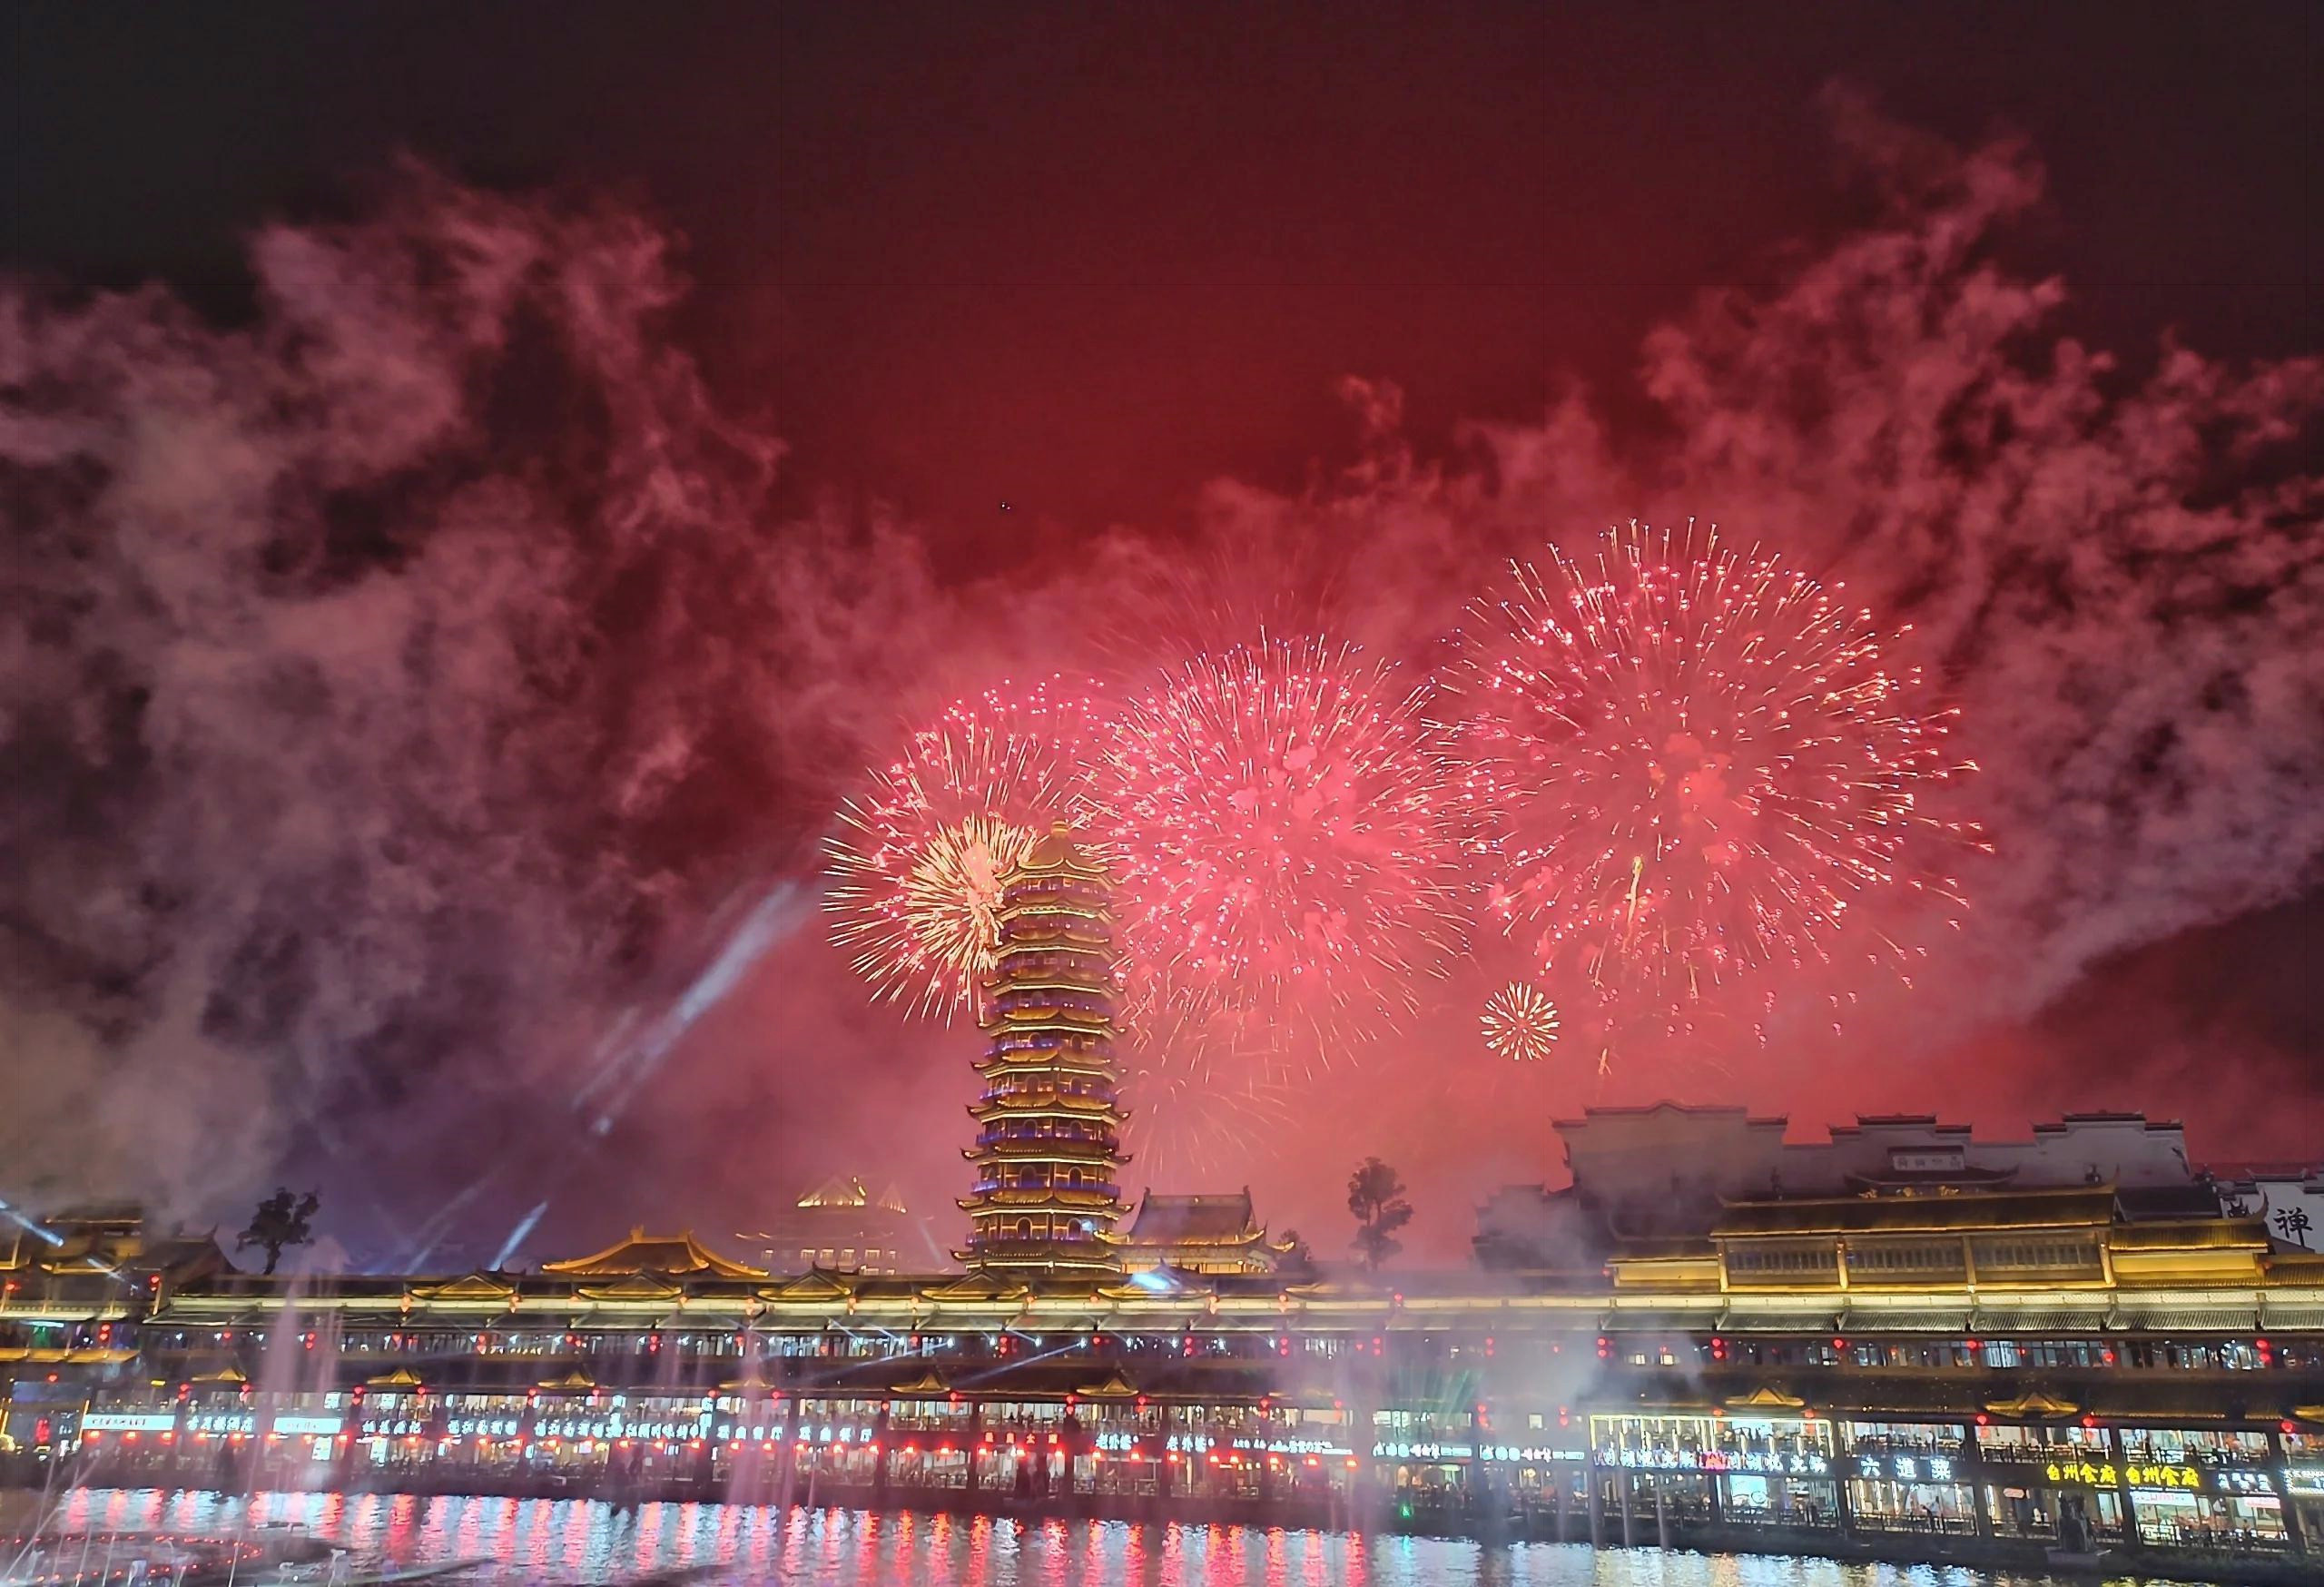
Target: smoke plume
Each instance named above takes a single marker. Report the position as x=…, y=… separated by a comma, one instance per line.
x=392, y=682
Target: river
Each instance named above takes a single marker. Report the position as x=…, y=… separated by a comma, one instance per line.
x=574, y=1541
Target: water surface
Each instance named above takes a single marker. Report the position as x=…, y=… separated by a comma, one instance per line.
x=574, y=1541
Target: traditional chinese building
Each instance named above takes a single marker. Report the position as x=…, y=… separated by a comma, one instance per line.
x=1047, y=1150
x=844, y=1226
x=1198, y=1234
x=677, y=1256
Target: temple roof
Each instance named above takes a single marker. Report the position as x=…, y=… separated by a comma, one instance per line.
x=1212, y=1219
x=847, y=1190
x=641, y=1253
x=1054, y=849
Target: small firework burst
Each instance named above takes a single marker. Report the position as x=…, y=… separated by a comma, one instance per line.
x=1520, y=1023
x=917, y=863
x=1279, y=812
x=1696, y=769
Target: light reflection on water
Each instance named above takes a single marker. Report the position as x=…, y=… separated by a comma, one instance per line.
x=574, y=1541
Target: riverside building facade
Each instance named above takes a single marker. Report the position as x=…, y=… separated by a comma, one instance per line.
x=1914, y=1354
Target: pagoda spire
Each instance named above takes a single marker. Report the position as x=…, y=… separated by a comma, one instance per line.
x=1047, y=1152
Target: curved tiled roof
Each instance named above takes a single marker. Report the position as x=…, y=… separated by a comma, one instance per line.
x=671, y=1255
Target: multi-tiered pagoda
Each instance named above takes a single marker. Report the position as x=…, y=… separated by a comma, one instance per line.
x=1049, y=1145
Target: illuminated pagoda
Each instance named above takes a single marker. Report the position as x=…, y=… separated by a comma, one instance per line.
x=1049, y=1143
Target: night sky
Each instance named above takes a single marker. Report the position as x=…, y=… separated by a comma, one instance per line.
x=385, y=755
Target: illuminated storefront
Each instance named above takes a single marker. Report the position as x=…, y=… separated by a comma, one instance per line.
x=1727, y=1469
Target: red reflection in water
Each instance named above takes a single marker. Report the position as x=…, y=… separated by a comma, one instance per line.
x=556, y=1543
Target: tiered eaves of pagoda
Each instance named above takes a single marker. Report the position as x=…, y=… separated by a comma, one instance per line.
x=1047, y=1152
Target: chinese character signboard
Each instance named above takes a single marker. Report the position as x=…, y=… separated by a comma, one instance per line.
x=2292, y=1209
x=1905, y=1468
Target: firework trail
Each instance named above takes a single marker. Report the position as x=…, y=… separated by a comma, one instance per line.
x=916, y=865
x=1186, y=1125
x=1697, y=767
x=1279, y=813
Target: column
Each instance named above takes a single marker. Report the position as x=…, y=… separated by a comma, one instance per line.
x=974, y=1441
x=1361, y=1397
x=2293, y=1532
x=786, y=1455
x=1480, y=1470
x=880, y=1427
x=2122, y=1488
x=1597, y=1507
x=1973, y=1463
x=1622, y=1491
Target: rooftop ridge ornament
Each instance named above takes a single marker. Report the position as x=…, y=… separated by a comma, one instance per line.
x=1047, y=1150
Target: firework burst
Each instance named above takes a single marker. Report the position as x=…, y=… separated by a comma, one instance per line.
x=1280, y=815
x=916, y=865
x=1520, y=1023
x=1698, y=766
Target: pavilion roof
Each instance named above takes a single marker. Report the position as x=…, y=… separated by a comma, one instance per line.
x=1205, y=1219
x=641, y=1253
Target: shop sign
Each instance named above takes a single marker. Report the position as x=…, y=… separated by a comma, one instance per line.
x=228, y=1422
x=1677, y=1460
x=1530, y=1451
x=576, y=1427
x=1779, y=1465
x=1291, y=1445
x=2241, y=1480
x=1425, y=1451
x=2105, y=1475
x=128, y=1422
x=2304, y=1479
x=1905, y=1468
x=309, y=1426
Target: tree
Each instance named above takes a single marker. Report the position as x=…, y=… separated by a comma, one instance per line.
x=280, y=1221
x=1297, y=1257
x=1376, y=1196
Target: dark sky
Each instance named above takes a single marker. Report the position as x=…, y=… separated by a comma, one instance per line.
x=1024, y=273
x=1084, y=259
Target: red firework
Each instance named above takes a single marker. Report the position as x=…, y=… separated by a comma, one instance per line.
x=1695, y=765
x=1280, y=816
x=917, y=862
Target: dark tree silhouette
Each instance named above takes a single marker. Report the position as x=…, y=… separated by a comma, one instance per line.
x=1297, y=1257
x=1376, y=1196
x=280, y=1221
